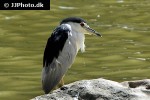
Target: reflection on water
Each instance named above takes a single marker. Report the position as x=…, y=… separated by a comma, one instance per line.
x=123, y=53
x=120, y=1
x=68, y=8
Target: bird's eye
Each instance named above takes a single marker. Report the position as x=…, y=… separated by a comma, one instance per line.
x=82, y=24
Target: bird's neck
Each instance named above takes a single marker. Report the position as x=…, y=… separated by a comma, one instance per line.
x=78, y=36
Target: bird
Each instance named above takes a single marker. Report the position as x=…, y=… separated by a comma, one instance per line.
x=61, y=49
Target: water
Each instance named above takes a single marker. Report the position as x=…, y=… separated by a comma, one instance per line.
x=123, y=53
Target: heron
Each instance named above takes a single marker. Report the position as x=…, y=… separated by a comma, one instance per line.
x=61, y=49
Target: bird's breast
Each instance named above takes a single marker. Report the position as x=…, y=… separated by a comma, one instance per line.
x=68, y=54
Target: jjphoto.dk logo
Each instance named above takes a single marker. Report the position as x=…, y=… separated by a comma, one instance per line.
x=39, y=4
x=25, y=5
x=6, y=5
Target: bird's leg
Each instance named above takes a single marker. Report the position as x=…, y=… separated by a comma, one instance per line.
x=61, y=83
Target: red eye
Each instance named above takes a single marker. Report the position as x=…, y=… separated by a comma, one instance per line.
x=82, y=24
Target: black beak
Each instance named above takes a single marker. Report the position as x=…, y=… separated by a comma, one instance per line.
x=90, y=30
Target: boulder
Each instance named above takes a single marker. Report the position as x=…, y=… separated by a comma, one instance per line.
x=101, y=89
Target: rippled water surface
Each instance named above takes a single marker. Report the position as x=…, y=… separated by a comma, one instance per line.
x=123, y=53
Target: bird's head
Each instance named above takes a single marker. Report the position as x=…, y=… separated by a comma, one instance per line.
x=80, y=25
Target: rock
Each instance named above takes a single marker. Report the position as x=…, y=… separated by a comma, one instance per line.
x=101, y=89
x=145, y=84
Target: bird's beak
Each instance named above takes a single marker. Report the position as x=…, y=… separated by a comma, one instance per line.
x=86, y=27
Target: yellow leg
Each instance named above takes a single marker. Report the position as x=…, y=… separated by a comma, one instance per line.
x=61, y=83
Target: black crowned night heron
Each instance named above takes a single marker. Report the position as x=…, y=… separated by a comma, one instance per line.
x=61, y=50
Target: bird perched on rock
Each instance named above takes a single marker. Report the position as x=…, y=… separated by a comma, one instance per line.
x=61, y=49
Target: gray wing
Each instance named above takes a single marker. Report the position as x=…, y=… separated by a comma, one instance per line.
x=59, y=54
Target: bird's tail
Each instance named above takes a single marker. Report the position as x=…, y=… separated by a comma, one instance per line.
x=49, y=79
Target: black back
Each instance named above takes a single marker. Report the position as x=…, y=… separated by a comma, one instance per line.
x=72, y=19
x=55, y=44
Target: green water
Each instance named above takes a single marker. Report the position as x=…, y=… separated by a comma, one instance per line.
x=123, y=53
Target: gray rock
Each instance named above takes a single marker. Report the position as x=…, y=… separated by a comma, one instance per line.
x=101, y=89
